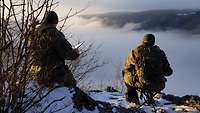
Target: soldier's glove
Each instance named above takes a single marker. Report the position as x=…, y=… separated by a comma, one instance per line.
x=76, y=50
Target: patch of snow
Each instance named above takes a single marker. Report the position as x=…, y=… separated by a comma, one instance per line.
x=185, y=109
x=114, y=98
x=114, y=110
x=185, y=14
x=66, y=104
x=160, y=101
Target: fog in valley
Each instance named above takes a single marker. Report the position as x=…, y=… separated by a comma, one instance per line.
x=182, y=50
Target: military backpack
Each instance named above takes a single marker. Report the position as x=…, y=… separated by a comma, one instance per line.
x=149, y=69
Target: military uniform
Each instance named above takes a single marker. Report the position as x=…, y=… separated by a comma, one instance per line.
x=131, y=72
x=51, y=51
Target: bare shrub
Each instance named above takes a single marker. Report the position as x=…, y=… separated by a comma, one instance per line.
x=18, y=22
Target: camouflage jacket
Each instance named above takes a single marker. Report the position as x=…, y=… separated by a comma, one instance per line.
x=131, y=68
x=130, y=62
x=52, y=48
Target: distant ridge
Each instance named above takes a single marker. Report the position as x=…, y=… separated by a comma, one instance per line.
x=187, y=20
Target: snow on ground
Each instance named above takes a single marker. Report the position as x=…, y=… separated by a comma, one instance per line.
x=114, y=98
x=162, y=105
x=64, y=103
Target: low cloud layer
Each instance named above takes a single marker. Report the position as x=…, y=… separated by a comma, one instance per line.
x=181, y=50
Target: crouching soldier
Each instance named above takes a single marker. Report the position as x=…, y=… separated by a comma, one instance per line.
x=145, y=70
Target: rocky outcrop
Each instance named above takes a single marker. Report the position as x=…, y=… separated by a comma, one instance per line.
x=188, y=100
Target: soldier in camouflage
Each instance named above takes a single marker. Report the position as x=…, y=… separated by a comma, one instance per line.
x=52, y=49
x=133, y=76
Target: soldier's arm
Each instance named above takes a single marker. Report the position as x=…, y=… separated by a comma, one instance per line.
x=64, y=49
x=130, y=62
x=167, y=69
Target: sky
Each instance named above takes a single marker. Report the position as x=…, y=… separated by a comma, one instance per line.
x=101, y=6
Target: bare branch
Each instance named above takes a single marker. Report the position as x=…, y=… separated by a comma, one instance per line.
x=54, y=101
x=6, y=46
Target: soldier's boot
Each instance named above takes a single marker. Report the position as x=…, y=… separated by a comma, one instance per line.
x=81, y=100
x=150, y=99
x=132, y=96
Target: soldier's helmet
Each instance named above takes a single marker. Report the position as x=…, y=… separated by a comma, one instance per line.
x=51, y=18
x=149, y=39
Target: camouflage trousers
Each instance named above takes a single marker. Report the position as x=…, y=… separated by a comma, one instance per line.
x=131, y=94
x=60, y=75
x=64, y=76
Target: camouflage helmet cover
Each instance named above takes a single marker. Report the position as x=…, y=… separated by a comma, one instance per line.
x=149, y=39
x=51, y=18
